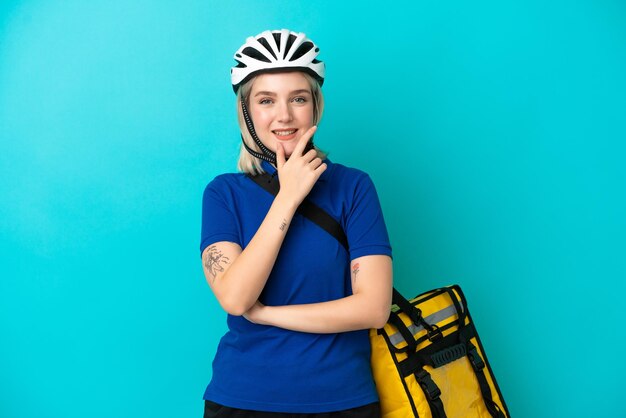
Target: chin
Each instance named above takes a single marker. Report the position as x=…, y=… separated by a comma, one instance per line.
x=289, y=151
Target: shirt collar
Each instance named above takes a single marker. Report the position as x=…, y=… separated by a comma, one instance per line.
x=269, y=168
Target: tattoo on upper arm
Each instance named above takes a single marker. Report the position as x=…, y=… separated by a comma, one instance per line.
x=355, y=271
x=283, y=225
x=214, y=261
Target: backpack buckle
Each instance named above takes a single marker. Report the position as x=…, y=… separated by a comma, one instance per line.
x=429, y=387
x=477, y=362
x=434, y=333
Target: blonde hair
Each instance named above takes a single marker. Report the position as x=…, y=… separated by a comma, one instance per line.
x=247, y=162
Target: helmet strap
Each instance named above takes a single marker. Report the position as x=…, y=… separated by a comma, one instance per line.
x=267, y=154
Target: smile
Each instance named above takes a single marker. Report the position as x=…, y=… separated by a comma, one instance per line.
x=285, y=134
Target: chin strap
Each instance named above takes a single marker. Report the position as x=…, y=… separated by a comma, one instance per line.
x=267, y=155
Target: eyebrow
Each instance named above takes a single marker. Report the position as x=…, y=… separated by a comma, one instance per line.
x=269, y=93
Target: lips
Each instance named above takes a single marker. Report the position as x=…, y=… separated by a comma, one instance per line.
x=284, y=134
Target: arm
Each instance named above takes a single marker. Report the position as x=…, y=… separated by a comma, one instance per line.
x=238, y=276
x=367, y=307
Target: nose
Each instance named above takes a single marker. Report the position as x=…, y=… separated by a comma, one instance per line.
x=285, y=113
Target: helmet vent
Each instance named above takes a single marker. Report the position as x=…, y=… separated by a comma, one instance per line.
x=267, y=46
x=290, y=40
x=277, y=38
x=302, y=49
x=253, y=53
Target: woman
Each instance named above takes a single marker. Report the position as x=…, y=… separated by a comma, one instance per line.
x=299, y=304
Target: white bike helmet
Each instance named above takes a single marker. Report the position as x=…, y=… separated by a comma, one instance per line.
x=276, y=50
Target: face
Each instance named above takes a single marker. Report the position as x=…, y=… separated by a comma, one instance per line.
x=281, y=107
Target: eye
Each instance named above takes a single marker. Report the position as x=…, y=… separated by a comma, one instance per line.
x=299, y=99
x=265, y=101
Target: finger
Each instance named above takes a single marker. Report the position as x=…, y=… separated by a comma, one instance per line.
x=315, y=163
x=310, y=155
x=319, y=170
x=304, y=139
x=280, y=155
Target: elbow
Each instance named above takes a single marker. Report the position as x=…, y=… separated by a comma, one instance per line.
x=234, y=310
x=377, y=312
x=235, y=306
x=380, y=317
x=231, y=300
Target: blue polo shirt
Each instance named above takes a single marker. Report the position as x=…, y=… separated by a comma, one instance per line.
x=266, y=368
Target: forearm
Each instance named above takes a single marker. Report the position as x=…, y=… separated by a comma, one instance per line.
x=244, y=280
x=367, y=307
x=351, y=313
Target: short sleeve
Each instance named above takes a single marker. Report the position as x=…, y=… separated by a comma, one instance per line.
x=219, y=223
x=365, y=225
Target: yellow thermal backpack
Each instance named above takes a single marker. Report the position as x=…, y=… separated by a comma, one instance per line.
x=428, y=361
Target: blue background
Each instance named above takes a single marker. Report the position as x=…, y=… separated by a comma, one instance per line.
x=494, y=132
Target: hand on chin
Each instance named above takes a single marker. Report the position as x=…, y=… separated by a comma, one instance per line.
x=288, y=146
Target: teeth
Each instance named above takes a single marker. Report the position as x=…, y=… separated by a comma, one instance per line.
x=284, y=133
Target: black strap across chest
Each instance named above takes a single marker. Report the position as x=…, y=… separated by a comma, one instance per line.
x=307, y=209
